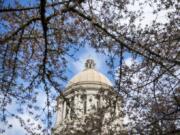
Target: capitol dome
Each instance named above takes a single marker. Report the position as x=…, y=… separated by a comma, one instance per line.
x=89, y=75
x=83, y=99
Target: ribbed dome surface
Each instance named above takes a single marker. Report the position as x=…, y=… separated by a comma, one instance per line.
x=90, y=75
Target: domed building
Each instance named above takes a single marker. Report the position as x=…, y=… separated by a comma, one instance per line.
x=89, y=105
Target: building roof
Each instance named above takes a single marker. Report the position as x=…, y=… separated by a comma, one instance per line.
x=89, y=74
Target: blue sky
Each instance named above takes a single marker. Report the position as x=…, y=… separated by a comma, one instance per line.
x=74, y=66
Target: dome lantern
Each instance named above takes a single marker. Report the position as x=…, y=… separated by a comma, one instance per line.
x=90, y=64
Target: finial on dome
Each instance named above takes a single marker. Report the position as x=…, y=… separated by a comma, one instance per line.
x=90, y=64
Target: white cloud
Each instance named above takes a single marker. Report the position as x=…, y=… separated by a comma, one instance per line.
x=129, y=61
x=16, y=125
x=147, y=14
x=18, y=129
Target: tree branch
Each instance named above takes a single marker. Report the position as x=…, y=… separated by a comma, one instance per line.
x=120, y=41
x=31, y=8
x=22, y=27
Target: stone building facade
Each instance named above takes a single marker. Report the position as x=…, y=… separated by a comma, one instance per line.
x=89, y=105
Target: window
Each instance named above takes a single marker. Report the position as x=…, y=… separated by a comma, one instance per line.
x=72, y=113
x=85, y=103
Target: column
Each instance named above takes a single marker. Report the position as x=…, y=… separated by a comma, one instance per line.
x=64, y=110
x=59, y=113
